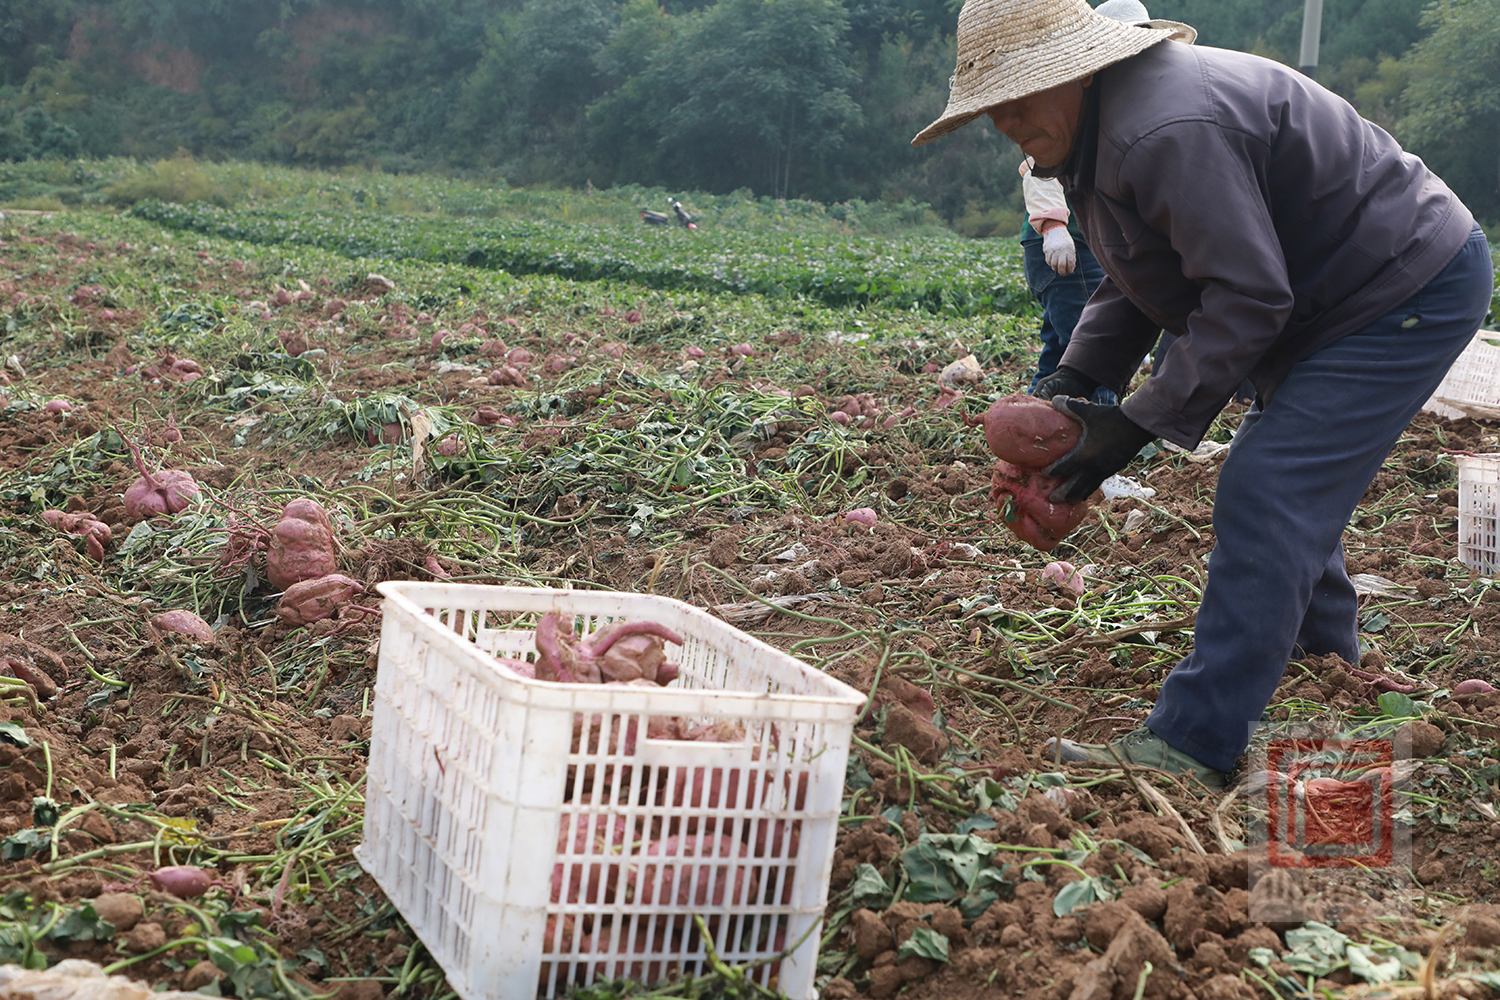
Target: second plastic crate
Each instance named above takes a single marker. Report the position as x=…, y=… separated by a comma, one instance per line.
x=537, y=835
x=1472, y=385
x=1479, y=513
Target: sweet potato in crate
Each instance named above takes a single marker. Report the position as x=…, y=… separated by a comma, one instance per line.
x=538, y=835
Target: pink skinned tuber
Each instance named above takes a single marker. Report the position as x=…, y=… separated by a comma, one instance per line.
x=863, y=516
x=1027, y=435
x=182, y=881
x=184, y=623
x=593, y=836
x=1027, y=431
x=302, y=546
x=1065, y=576
x=41, y=682
x=95, y=533
x=314, y=600
x=1472, y=688
x=506, y=375
x=57, y=406
x=669, y=882
x=158, y=494
x=563, y=657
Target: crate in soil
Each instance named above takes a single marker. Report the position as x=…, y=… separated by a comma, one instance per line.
x=539, y=835
x=1472, y=385
x=1479, y=513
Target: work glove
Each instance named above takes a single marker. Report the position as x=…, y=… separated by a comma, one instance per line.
x=1109, y=441
x=1058, y=248
x=1065, y=382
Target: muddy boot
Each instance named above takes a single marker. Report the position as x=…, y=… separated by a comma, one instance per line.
x=1142, y=748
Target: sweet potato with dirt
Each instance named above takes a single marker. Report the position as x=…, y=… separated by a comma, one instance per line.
x=314, y=600
x=1027, y=431
x=1022, y=497
x=184, y=623
x=95, y=533
x=623, y=651
x=301, y=545
x=1027, y=434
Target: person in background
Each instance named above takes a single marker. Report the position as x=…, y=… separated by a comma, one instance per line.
x=1061, y=271
x=1253, y=214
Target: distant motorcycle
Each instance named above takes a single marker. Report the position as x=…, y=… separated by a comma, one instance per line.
x=651, y=218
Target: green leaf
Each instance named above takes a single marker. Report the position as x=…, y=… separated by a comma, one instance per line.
x=926, y=943
x=1395, y=705
x=1315, y=948
x=869, y=889
x=83, y=924
x=944, y=866
x=1364, y=963
x=978, y=821
x=1072, y=896
x=13, y=734
x=230, y=955
x=1375, y=622
x=1099, y=888
x=44, y=811
x=24, y=844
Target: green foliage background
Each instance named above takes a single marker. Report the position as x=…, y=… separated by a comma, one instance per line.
x=811, y=99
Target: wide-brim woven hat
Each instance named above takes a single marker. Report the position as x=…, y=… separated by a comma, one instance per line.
x=1008, y=49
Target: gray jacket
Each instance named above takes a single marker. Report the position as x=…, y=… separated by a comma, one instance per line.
x=1237, y=204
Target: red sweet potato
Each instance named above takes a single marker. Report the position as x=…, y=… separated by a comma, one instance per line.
x=301, y=545
x=314, y=600
x=1027, y=434
x=157, y=494
x=184, y=623
x=670, y=883
x=1027, y=431
x=1022, y=497
x=618, y=942
x=592, y=836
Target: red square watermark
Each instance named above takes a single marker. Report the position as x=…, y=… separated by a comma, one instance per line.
x=1333, y=803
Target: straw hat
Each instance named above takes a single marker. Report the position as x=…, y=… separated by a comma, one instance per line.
x=1008, y=49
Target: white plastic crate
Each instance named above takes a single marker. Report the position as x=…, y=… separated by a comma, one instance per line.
x=1479, y=513
x=488, y=823
x=1472, y=385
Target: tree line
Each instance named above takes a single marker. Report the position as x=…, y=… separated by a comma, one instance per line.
x=788, y=98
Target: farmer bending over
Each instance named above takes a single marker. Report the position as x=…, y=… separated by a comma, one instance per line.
x=1282, y=238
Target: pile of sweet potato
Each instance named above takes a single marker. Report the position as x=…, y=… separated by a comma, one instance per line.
x=1027, y=435
x=707, y=837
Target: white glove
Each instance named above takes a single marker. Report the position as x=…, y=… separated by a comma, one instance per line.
x=1057, y=247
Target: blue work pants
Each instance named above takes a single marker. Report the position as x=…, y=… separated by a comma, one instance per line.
x=1062, y=297
x=1277, y=586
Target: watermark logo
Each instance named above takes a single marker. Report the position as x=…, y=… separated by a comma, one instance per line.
x=1336, y=807
x=1324, y=807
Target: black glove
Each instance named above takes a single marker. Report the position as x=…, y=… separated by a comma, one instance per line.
x=1065, y=382
x=1110, y=440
